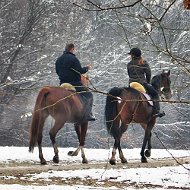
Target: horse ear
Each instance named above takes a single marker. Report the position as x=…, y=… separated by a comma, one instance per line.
x=169, y=73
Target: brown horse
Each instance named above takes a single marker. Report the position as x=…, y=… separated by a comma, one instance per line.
x=127, y=105
x=64, y=106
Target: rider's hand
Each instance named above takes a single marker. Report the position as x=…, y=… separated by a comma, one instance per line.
x=89, y=66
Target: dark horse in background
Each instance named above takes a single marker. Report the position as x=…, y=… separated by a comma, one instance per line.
x=64, y=106
x=127, y=105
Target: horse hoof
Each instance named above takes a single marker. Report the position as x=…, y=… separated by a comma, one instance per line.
x=143, y=160
x=85, y=161
x=112, y=162
x=124, y=161
x=147, y=153
x=70, y=153
x=56, y=159
x=43, y=162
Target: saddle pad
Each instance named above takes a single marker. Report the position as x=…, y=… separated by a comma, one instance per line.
x=148, y=98
x=68, y=86
x=137, y=86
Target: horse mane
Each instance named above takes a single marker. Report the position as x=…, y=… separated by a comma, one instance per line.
x=156, y=81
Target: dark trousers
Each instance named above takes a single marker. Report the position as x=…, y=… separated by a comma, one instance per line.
x=155, y=97
x=84, y=92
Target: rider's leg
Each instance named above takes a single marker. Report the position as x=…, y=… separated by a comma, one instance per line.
x=90, y=116
x=155, y=97
x=89, y=97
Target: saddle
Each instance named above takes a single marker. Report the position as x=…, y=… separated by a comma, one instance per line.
x=141, y=88
x=83, y=97
x=68, y=86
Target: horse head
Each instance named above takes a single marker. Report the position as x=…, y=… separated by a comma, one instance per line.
x=165, y=91
x=162, y=83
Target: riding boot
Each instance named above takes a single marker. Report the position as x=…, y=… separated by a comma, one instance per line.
x=91, y=117
x=156, y=109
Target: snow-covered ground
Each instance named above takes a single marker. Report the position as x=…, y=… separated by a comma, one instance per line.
x=175, y=177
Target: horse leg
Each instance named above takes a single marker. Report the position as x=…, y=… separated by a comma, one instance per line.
x=84, y=128
x=123, y=128
x=81, y=133
x=147, y=138
x=116, y=145
x=39, y=139
x=57, y=126
x=148, y=151
x=78, y=132
x=150, y=125
x=42, y=160
x=117, y=136
x=121, y=156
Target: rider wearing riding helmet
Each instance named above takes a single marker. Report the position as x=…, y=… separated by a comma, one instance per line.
x=139, y=71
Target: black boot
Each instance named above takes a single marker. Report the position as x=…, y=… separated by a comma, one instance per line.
x=160, y=114
x=91, y=117
x=156, y=109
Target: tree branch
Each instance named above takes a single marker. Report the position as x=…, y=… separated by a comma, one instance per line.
x=99, y=8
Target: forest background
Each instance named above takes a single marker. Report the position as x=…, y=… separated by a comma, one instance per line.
x=33, y=34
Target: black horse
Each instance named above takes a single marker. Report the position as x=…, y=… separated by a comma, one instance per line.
x=127, y=105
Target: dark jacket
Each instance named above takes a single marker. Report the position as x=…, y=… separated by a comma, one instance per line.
x=138, y=73
x=64, y=68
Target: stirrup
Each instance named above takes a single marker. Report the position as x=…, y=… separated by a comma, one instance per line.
x=159, y=114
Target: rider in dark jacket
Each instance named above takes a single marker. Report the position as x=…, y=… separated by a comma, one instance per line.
x=139, y=71
x=69, y=70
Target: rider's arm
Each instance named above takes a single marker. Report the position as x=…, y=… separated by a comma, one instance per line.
x=77, y=66
x=147, y=72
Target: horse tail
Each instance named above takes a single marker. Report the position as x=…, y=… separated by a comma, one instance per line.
x=111, y=108
x=38, y=118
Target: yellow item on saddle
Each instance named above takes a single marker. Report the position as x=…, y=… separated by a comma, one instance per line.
x=137, y=86
x=68, y=86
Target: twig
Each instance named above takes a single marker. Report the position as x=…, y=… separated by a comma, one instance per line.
x=170, y=152
x=99, y=8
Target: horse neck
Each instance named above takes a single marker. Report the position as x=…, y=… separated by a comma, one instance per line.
x=156, y=82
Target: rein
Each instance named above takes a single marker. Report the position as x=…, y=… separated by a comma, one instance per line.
x=84, y=77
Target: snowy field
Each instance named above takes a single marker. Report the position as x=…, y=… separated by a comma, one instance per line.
x=167, y=177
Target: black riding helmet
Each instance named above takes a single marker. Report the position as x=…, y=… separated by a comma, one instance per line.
x=136, y=52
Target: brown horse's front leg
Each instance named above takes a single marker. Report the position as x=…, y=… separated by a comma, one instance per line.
x=56, y=157
x=112, y=159
x=144, y=153
x=121, y=156
x=148, y=151
x=74, y=153
x=81, y=137
x=143, y=158
x=84, y=160
x=81, y=134
x=147, y=139
x=78, y=132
